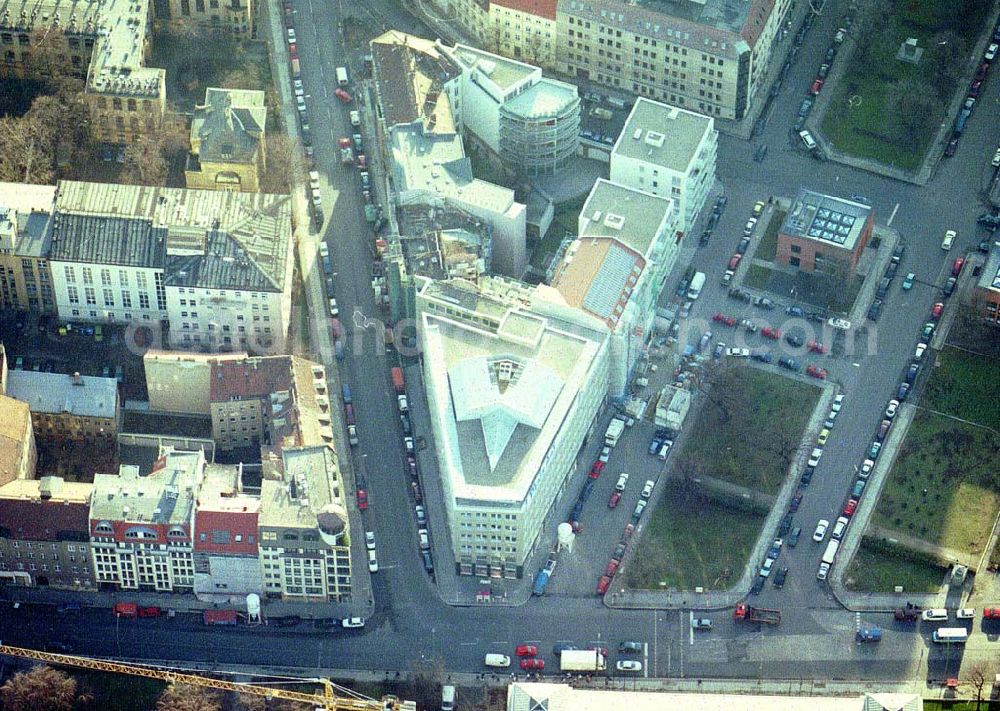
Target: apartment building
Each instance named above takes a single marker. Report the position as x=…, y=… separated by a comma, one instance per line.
x=627, y=243
x=236, y=17
x=68, y=407
x=305, y=552
x=44, y=533
x=25, y=232
x=213, y=269
x=179, y=381
x=227, y=141
x=667, y=151
x=226, y=553
x=986, y=292
x=18, y=455
x=514, y=384
x=523, y=29
x=141, y=525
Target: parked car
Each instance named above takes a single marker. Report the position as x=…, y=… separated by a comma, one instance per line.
x=820, y=533
x=779, y=578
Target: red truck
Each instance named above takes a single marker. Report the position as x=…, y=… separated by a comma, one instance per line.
x=748, y=613
x=397, y=380
x=220, y=617
x=126, y=609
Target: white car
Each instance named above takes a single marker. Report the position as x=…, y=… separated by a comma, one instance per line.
x=291, y=36
x=353, y=622
x=866, y=468
x=372, y=562
x=629, y=665
x=370, y=540
x=820, y=532
x=299, y=89
x=839, y=323
x=996, y=159
x=300, y=103
x=748, y=228
x=765, y=569
x=647, y=490
x=424, y=538
x=991, y=52
x=891, y=408
x=408, y=445
x=815, y=457
x=622, y=480
x=919, y=353
x=317, y=199
x=966, y=613
x=605, y=454
x=334, y=309
x=738, y=352
x=838, y=401
x=949, y=239
x=824, y=570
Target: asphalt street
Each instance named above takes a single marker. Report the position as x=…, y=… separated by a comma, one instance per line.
x=410, y=623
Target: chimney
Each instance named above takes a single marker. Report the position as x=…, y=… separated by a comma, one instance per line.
x=77, y=380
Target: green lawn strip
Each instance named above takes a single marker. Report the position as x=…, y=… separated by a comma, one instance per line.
x=879, y=567
x=757, y=277
x=768, y=247
x=751, y=439
x=955, y=463
x=692, y=541
x=965, y=385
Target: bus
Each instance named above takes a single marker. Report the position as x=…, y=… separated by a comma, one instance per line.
x=951, y=635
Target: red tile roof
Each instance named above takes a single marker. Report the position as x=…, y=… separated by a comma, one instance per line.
x=250, y=378
x=44, y=520
x=541, y=8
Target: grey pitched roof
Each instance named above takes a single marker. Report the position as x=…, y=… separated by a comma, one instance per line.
x=99, y=239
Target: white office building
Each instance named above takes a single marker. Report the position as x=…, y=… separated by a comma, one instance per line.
x=514, y=384
x=214, y=267
x=628, y=243
x=667, y=151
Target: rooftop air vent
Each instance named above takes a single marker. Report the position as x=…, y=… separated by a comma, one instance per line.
x=615, y=222
x=654, y=138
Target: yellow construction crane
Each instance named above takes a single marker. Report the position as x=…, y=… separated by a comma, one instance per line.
x=324, y=700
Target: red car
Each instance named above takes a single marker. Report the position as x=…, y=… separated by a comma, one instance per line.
x=816, y=87
x=773, y=333
x=975, y=89
x=603, y=584
x=344, y=142
x=734, y=261
x=937, y=309
x=526, y=650
x=149, y=612
x=816, y=372
x=532, y=664
x=343, y=96
x=362, y=161
x=362, y=499
x=991, y=613
x=595, y=471
x=612, y=568
x=852, y=505
x=981, y=72
x=293, y=51
x=603, y=650
x=629, y=530
x=722, y=318
x=616, y=496
x=816, y=347
x=956, y=267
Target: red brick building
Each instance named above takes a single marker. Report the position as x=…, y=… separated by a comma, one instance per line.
x=987, y=292
x=823, y=232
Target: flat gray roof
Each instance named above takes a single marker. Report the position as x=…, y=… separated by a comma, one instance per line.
x=663, y=135
x=826, y=218
x=58, y=394
x=547, y=98
x=631, y=216
x=165, y=495
x=989, y=278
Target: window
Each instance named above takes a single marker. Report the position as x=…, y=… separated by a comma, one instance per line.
x=88, y=276
x=91, y=297
x=794, y=261
x=70, y=273
x=126, y=299
x=106, y=277
x=109, y=299
x=796, y=249
x=144, y=302
x=220, y=537
x=73, y=294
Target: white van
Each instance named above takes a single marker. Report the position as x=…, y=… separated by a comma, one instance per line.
x=808, y=139
x=497, y=660
x=448, y=698
x=830, y=554
x=342, y=76
x=934, y=614
x=355, y=118
x=697, y=282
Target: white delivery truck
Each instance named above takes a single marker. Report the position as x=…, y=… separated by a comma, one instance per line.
x=448, y=698
x=497, y=660
x=697, y=282
x=342, y=76
x=615, y=430
x=588, y=660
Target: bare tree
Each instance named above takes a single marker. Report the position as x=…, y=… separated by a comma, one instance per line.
x=183, y=697
x=41, y=689
x=979, y=673
x=910, y=102
x=149, y=155
x=277, y=171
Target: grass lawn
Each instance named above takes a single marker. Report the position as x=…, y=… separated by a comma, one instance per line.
x=965, y=690
x=965, y=385
x=749, y=428
x=874, y=569
x=691, y=541
x=856, y=121
x=768, y=246
x=757, y=277
x=956, y=464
